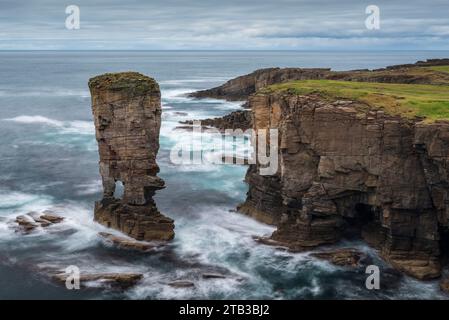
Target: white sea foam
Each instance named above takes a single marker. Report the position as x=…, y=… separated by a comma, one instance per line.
x=176, y=95
x=64, y=127
x=89, y=188
x=10, y=202
x=77, y=219
x=36, y=119
x=181, y=95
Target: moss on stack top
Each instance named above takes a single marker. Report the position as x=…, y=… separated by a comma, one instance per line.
x=133, y=82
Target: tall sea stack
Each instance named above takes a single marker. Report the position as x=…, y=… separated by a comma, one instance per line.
x=127, y=113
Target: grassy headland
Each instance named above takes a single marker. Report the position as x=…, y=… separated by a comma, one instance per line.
x=409, y=100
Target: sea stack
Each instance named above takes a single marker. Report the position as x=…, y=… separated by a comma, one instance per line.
x=127, y=113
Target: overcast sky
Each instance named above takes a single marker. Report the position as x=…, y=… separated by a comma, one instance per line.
x=224, y=24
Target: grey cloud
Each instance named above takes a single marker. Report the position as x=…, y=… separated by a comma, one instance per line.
x=232, y=24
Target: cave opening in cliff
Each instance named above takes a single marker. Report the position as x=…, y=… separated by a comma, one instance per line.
x=362, y=216
x=364, y=213
x=444, y=244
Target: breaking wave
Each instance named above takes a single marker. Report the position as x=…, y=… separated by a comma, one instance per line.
x=67, y=127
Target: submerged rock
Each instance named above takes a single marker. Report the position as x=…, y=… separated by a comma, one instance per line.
x=213, y=276
x=127, y=114
x=181, y=284
x=115, y=280
x=33, y=220
x=53, y=218
x=26, y=223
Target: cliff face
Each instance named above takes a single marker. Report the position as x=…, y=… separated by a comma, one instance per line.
x=344, y=167
x=127, y=115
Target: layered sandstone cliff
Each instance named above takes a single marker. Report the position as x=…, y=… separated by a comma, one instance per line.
x=379, y=170
x=127, y=114
x=344, y=166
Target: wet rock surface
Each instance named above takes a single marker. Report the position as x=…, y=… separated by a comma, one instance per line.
x=181, y=284
x=32, y=220
x=341, y=257
x=114, y=280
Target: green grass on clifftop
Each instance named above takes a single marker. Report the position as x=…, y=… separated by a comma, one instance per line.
x=439, y=68
x=408, y=100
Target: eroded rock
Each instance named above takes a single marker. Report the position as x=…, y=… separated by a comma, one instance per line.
x=213, y=276
x=32, y=220
x=127, y=114
x=116, y=280
x=26, y=223
x=181, y=284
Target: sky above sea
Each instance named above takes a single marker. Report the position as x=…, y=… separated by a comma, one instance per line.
x=224, y=25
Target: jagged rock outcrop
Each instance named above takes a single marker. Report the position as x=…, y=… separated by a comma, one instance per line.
x=127, y=114
x=241, y=87
x=343, y=164
x=32, y=220
x=341, y=257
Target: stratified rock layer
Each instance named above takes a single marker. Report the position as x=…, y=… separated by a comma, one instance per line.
x=342, y=164
x=127, y=114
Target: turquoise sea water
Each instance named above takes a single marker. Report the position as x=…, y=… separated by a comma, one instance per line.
x=48, y=160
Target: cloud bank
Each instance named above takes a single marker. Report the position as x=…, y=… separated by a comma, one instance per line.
x=229, y=25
